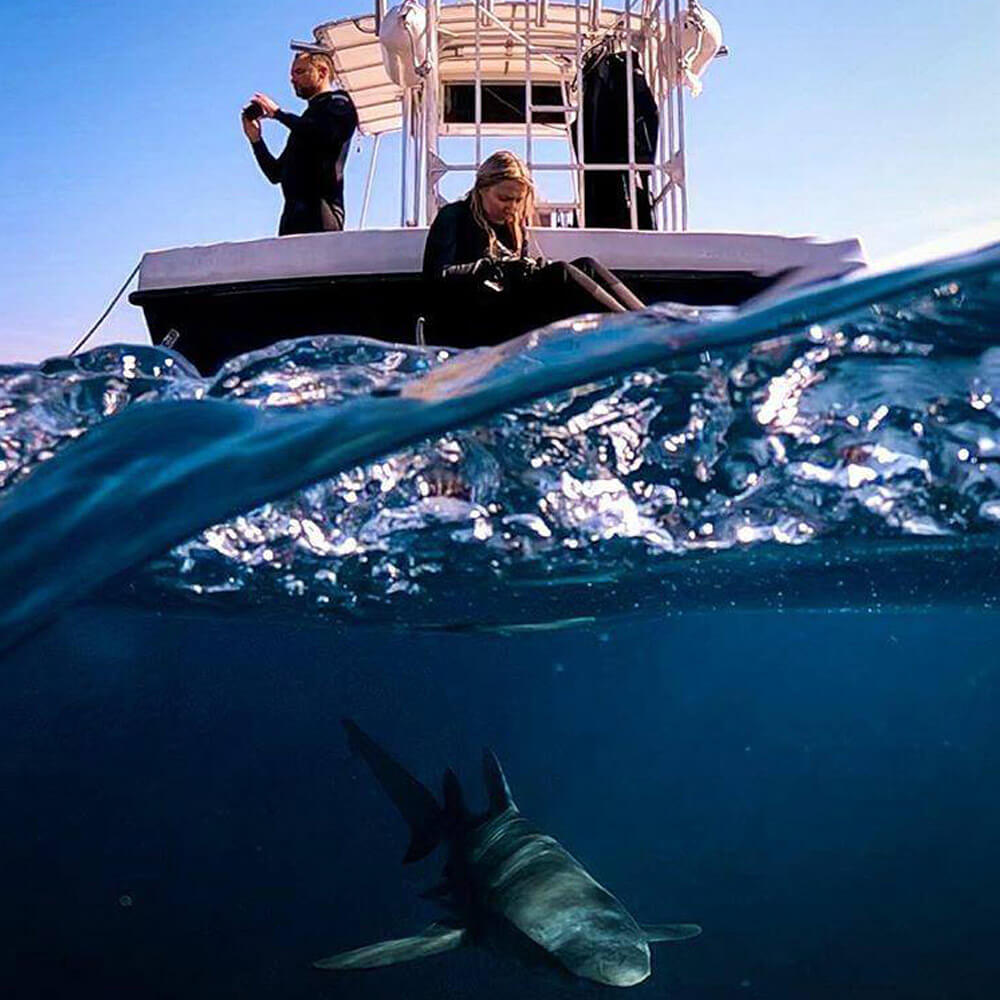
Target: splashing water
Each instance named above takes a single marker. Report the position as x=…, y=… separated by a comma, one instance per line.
x=865, y=414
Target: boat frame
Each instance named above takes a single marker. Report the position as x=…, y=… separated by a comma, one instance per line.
x=213, y=302
x=530, y=43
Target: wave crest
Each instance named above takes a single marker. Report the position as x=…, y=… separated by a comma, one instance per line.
x=880, y=425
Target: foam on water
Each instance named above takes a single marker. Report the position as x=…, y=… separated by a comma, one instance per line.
x=343, y=476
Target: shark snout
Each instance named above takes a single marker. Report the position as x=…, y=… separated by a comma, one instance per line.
x=623, y=967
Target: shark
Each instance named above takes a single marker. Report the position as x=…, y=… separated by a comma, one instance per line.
x=506, y=885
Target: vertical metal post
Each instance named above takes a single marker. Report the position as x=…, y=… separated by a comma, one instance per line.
x=369, y=179
x=681, y=154
x=528, y=92
x=574, y=160
x=630, y=106
x=479, y=87
x=654, y=51
x=664, y=78
x=404, y=149
x=431, y=88
x=581, y=153
x=419, y=158
x=672, y=6
x=651, y=64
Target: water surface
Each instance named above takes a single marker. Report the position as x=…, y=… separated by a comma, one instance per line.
x=719, y=589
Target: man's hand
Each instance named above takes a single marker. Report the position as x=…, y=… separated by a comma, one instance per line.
x=251, y=128
x=269, y=106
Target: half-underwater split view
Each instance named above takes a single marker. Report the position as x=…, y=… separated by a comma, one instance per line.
x=528, y=523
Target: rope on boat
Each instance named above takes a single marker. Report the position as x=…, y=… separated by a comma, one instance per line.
x=104, y=315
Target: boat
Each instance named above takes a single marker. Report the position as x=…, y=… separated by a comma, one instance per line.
x=464, y=74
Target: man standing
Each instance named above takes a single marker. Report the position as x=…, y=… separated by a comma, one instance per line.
x=310, y=169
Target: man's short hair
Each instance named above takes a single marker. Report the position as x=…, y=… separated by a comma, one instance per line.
x=318, y=59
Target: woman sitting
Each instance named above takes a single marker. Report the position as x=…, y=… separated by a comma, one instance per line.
x=482, y=283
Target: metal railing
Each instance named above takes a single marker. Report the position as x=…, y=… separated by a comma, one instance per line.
x=646, y=30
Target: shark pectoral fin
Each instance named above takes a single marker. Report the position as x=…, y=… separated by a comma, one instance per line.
x=430, y=941
x=670, y=932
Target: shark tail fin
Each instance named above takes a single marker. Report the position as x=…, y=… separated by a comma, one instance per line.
x=416, y=804
x=430, y=941
x=670, y=932
x=496, y=784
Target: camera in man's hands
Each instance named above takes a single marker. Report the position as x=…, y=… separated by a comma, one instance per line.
x=253, y=111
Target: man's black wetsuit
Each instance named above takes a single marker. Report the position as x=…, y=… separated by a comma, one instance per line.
x=310, y=169
x=466, y=306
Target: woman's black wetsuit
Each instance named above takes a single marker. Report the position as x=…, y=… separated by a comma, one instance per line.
x=469, y=304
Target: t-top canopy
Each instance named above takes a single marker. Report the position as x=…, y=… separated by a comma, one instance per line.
x=503, y=29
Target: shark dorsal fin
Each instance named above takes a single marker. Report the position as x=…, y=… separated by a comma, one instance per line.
x=496, y=784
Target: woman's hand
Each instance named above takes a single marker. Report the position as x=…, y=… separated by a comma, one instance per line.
x=485, y=271
x=489, y=272
x=520, y=269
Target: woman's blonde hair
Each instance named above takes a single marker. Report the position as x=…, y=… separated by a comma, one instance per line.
x=504, y=166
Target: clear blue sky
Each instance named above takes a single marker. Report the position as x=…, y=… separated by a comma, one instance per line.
x=119, y=133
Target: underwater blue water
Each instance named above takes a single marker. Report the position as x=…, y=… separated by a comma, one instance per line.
x=718, y=587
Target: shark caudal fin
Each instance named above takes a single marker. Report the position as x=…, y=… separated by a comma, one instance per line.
x=496, y=784
x=670, y=932
x=416, y=804
x=430, y=941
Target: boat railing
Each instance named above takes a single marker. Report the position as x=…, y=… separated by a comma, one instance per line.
x=417, y=68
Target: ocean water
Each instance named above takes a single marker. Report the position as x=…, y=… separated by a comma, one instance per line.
x=719, y=588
